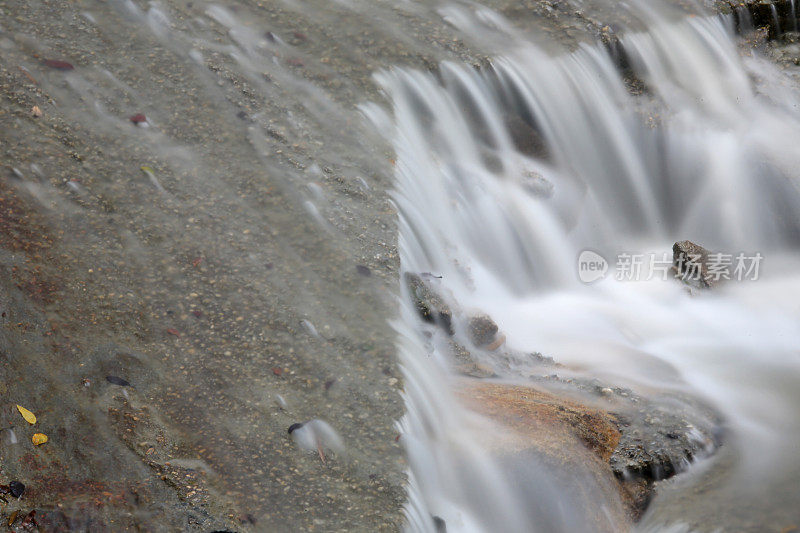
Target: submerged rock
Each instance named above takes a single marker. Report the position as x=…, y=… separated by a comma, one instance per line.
x=537, y=185
x=466, y=363
x=661, y=437
x=481, y=329
x=635, y=440
x=563, y=441
x=429, y=304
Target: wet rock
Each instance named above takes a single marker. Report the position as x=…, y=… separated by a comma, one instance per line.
x=638, y=440
x=482, y=329
x=556, y=435
x=691, y=264
x=775, y=16
x=537, y=185
x=466, y=363
x=661, y=437
x=429, y=304
x=526, y=136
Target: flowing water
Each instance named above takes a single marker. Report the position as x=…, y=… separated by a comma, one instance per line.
x=198, y=253
x=706, y=153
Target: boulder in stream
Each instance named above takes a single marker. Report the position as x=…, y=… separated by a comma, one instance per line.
x=690, y=262
x=482, y=329
x=429, y=303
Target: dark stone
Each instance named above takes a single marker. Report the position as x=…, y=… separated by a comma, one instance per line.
x=364, y=271
x=526, y=136
x=660, y=436
x=429, y=304
x=763, y=16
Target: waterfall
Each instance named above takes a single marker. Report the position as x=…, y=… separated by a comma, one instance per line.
x=505, y=174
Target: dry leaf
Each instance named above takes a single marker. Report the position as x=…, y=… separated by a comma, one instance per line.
x=36, y=112
x=38, y=439
x=27, y=415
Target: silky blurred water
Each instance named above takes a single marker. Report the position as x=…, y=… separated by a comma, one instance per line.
x=705, y=152
x=232, y=256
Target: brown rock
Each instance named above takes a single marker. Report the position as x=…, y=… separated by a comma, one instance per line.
x=532, y=410
x=572, y=437
x=481, y=329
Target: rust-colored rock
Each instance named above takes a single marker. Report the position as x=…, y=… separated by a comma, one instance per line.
x=530, y=410
x=576, y=436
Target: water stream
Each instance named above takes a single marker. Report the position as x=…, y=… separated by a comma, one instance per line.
x=705, y=152
x=197, y=255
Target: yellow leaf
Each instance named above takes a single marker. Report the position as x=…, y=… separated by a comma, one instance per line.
x=38, y=439
x=27, y=415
